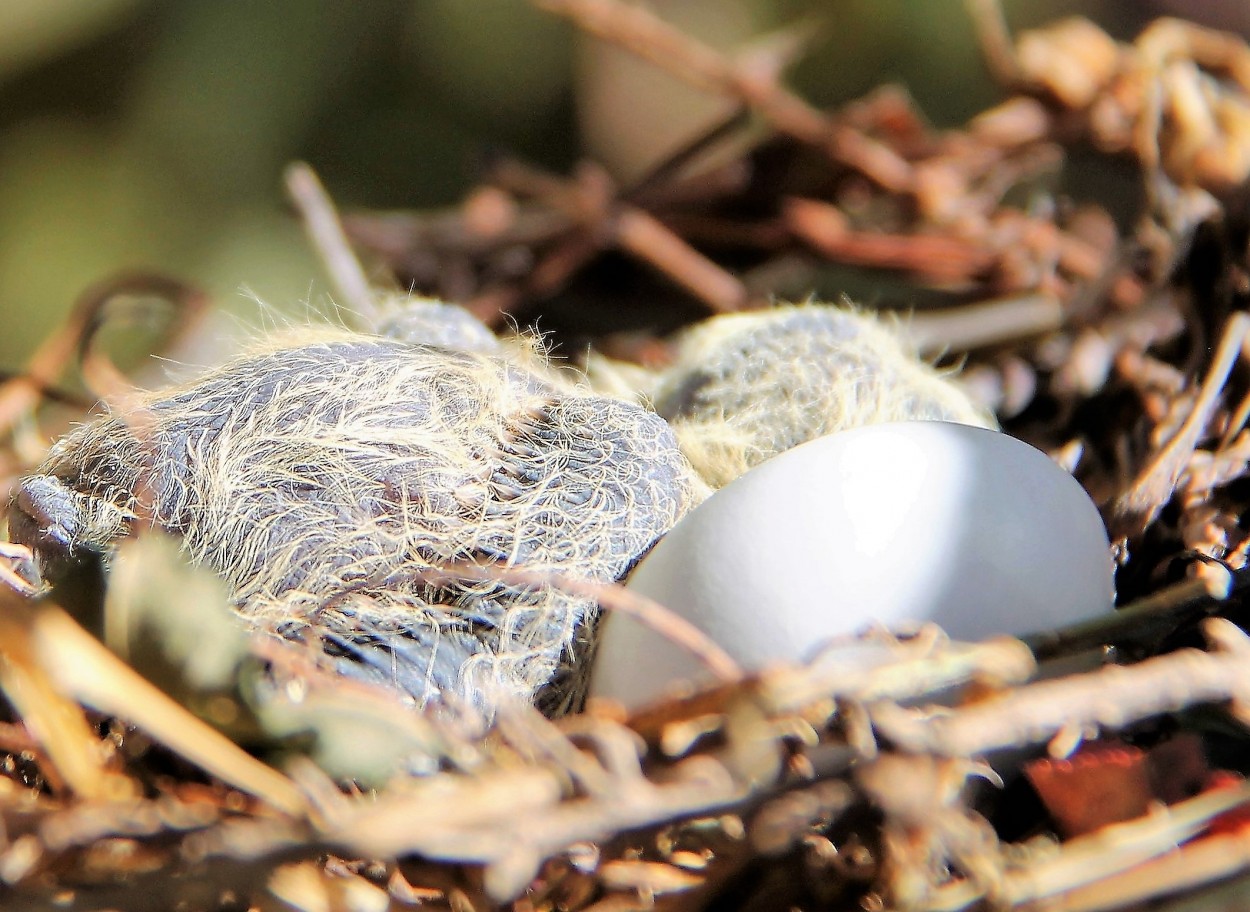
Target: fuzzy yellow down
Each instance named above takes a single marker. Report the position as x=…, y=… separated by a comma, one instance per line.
x=745, y=387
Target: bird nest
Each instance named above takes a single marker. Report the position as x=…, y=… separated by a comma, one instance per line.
x=197, y=763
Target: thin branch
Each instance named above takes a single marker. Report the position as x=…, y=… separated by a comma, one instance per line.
x=92, y=674
x=1110, y=698
x=984, y=323
x=325, y=231
x=995, y=40
x=56, y=722
x=1102, y=870
x=1134, y=508
x=611, y=596
x=647, y=238
x=641, y=32
x=1137, y=622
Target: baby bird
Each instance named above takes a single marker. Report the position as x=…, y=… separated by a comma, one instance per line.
x=328, y=479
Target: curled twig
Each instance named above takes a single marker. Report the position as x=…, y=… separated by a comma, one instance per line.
x=74, y=338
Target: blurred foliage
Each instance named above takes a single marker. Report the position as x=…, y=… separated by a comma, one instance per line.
x=153, y=132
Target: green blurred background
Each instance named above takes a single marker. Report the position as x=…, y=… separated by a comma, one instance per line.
x=152, y=133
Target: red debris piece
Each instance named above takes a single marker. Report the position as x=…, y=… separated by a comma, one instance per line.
x=1234, y=821
x=1110, y=781
x=1105, y=783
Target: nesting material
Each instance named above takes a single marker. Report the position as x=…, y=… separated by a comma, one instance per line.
x=324, y=479
x=745, y=387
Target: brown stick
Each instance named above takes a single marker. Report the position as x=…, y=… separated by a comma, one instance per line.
x=995, y=40
x=325, y=231
x=648, y=239
x=1110, y=698
x=1135, y=507
x=641, y=32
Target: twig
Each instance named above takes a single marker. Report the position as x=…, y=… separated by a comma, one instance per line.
x=588, y=201
x=1110, y=698
x=984, y=323
x=524, y=726
x=325, y=231
x=1141, y=620
x=995, y=40
x=648, y=239
x=480, y=819
x=1201, y=863
x=1134, y=508
x=915, y=668
x=95, y=676
x=56, y=722
x=1079, y=866
x=641, y=32
x=611, y=596
x=935, y=257
x=660, y=176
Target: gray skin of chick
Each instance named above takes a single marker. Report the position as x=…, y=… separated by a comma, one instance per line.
x=331, y=480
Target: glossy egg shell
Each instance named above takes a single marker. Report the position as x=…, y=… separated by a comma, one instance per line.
x=966, y=527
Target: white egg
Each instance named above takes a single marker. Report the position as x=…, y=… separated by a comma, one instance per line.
x=911, y=521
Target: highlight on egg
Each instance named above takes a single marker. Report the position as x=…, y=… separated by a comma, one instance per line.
x=884, y=524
